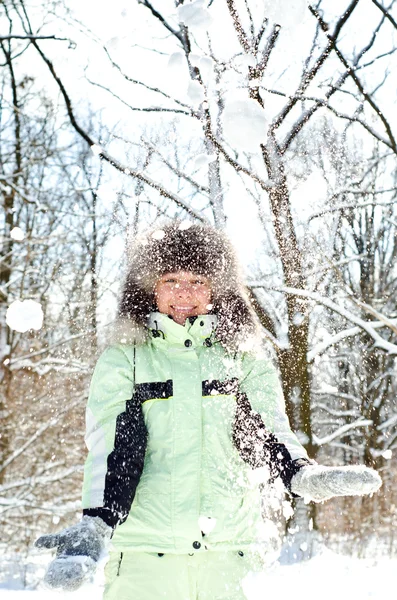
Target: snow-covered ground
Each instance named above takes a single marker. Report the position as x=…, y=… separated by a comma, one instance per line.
x=327, y=576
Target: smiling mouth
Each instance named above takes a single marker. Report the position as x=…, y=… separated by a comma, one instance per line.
x=183, y=308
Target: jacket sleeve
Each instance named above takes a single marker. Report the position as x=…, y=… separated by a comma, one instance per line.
x=115, y=437
x=262, y=432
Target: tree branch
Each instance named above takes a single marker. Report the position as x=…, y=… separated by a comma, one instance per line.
x=309, y=76
x=241, y=35
x=33, y=37
x=104, y=155
x=386, y=12
x=352, y=73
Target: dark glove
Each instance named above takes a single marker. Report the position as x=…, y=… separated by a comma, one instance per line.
x=317, y=483
x=78, y=549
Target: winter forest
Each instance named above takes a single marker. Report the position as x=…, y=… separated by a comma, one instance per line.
x=273, y=120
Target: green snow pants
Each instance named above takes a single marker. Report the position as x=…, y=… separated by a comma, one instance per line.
x=202, y=576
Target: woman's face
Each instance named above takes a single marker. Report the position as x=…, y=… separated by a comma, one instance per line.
x=183, y=294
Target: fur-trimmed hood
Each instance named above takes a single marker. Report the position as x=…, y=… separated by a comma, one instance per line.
x=202, y=249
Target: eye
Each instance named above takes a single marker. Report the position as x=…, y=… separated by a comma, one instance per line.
x=198, y=282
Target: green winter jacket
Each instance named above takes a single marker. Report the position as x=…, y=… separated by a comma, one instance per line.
x=197, y=489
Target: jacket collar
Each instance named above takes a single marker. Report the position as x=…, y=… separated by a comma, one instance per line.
x=199, y=330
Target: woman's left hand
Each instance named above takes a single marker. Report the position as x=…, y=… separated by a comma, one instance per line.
x=318, y=483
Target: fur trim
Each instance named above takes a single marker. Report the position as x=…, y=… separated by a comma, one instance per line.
x=189, y=247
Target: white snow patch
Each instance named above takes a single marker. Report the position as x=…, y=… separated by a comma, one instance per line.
x=194, y=59
x=366, y=579
x=243, y=61
x=298, y=319
x=325, y=388
x=203, y=160
x=304, y=546
x=176, y=61
x=206, y=524
x=287, y=509
x=17, y=234
x=387, y=454
x=244, y=124
x=95, y=149
x=158, y=234
x=195, y=16
x=24, y=315
x=294, y=15
x=195, y=92
x=185, y=225
x=260, y=475
x=206, y=67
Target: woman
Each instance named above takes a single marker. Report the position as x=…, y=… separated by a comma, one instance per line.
x=183, y=406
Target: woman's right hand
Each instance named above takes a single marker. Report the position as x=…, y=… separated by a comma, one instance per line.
x=79, y=548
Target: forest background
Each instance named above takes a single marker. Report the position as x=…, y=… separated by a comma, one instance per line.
x=275, y=121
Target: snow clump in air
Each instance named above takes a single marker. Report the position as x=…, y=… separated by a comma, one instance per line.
x=194, y=15
x=244, y=124
x=17, y=234
x=204, y=63
x=195, y=92
x=185, y=225
x=202, y=160
x=158, y=234
x=24, y=315
x=175, y=61
x=277, y=11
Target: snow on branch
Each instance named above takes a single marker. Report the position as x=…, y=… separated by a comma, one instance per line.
x=340, y=432
x=386, y=12
x=368, y=326
x=338, y=337
x=43, y=507
x=53, y=421
x=41, y=479
x=6, y=38
x=368, y=96
x=101, y=153
x=355, y=206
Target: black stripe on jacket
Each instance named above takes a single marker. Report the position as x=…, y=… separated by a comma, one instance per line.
x=214, y=387
x=258, y=447
x=154, y=390
x=125, y=462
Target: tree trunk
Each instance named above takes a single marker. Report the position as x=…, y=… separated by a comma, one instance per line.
x=293, y=363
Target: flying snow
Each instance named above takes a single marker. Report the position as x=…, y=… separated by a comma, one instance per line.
x=175, y=61
x=185, y=225
x=24, y=315
x=17, y=234
x=204, y=63
x=202, y=160
x=158, y=234
x=244, y=124
x=243, y=61
x=194, y=15
x=276, y=11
